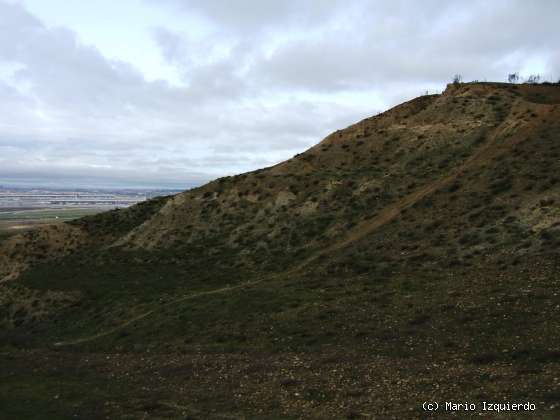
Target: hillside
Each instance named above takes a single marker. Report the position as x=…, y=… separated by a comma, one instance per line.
x=410, y=257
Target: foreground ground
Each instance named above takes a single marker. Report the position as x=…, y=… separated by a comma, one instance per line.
x=335, y=383
x=297, y=347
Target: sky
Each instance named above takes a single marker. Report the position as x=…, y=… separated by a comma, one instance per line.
x=175, y=93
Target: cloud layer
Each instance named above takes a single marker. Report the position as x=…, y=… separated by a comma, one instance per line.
x=256, y=82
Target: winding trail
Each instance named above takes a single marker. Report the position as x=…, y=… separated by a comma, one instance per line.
x=151, y=311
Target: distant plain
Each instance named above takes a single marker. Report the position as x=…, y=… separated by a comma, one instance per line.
x=14, y=221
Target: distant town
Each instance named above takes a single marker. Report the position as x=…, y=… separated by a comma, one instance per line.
x=38, y=198
x=23, y=209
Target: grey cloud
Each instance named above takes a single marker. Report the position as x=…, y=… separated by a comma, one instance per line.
x=268, y=80
x=409, y=49
x=84, y=111
x=248, y=16
x=374, y=45
x=171, y=45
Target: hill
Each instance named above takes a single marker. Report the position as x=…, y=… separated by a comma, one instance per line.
x=410, y=257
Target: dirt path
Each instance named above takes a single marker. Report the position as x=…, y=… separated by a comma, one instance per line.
x=487, y=151
x=392, y=211
x=151, y=311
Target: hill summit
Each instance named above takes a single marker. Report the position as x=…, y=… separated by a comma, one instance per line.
x=416, y=247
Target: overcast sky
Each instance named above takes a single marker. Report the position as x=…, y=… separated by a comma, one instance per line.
x=173, y=93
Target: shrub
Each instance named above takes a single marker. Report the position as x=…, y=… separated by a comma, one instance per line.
x=470, y=238
x=513, y=77
x=501, y=185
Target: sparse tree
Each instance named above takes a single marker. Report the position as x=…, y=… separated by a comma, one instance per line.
x=534, y=78
x=513, y=77
x=457, y=79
